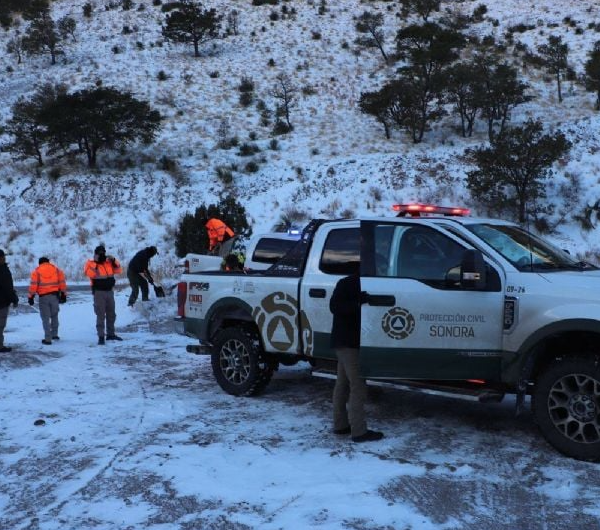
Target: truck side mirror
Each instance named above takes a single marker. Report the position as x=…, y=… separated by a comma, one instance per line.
x=472, y=271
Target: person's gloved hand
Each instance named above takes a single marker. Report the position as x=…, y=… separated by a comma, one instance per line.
x=62, y=297
x=30, y=300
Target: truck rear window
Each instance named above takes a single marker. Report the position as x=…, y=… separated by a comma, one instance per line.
x=341, y=251
x=271, y=250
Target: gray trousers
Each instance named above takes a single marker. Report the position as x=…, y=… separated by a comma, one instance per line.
x=3, y=318
x=49, y=313
x=104, y=307
x=351, y=389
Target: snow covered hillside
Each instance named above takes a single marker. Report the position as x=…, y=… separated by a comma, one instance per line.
x=336, y=162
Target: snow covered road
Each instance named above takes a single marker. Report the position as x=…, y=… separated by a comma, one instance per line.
x=138, y=435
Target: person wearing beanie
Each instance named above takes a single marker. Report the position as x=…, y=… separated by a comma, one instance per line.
x=101, y=270
x=8, y=296
x=138, y=274
x=49, y=283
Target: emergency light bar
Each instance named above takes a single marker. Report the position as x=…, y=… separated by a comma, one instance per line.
x=418, y=210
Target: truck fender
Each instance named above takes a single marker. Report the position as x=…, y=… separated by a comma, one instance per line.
x=228, y=308
x=532, y=351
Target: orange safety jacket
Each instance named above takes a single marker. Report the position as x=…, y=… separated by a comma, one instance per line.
x=217, y=230
x=46, y=279
x=102, y=275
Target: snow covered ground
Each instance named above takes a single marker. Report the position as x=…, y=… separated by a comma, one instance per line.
x=137, y=435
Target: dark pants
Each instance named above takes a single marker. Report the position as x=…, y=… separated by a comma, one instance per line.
x=137, y=282
x=3, y=318
x=104, y=307
x=351, y=389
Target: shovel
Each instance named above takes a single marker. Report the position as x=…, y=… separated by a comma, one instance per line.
x=158, y=289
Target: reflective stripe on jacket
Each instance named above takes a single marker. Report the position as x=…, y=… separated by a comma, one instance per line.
x=46, y=279
x=217, y=230
x=101, y=275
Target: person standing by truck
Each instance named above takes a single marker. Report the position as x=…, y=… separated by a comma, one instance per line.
x=350, y=392
x=101, y=270
x=8, y=296
x=138, y=274
x=48, y=282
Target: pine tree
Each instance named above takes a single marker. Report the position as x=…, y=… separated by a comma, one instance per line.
x=188, y=22
x=512, y=172
x=592, y=72
x=555, y=55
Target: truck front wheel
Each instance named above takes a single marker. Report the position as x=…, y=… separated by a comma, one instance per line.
x=238, y=362
x=566, y=406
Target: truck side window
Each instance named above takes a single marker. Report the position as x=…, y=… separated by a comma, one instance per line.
x=271, y=250
x=418, y=252
x=342, y=247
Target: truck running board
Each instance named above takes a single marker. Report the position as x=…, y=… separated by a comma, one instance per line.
x=484, y=395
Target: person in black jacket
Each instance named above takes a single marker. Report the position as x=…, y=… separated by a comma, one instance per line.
x=139, y=275
x=350, y=388
x=8, y=296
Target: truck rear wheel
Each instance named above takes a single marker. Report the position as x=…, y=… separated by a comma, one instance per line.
x=238, y=362
x=566, y=406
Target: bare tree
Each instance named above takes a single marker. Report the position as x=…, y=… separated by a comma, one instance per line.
x=66, y=27
x=554, y=54
x=285, y=92
x=15, y=46
x=369, y=25
x=233, y=22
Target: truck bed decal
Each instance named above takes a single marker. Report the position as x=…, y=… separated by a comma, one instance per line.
x=278, y=323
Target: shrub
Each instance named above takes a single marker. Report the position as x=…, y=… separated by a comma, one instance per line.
x=246, y=85
x=156, y=2
x=139, y=45
x=126, y=30
x=265, y=2
x=281, y=127
x=316, y=35
x=115, y=49
x=162, y=76
x=225, y=175
x=191, y=234
x=274, y=16
x=167, y=164
x=246, y=99
x=274, y=144
x=214, y=74
x=251, y=167
x=87, y=10
x=271, y=62
x=247, y=149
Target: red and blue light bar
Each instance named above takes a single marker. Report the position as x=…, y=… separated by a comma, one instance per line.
x=419, y=209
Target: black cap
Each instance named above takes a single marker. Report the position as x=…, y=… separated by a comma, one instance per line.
x=100, y=250
x=43, y=259
x=153, y=250
x=2, y=254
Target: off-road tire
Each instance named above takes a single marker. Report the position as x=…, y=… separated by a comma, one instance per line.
x=238, y=362
x=566, y=407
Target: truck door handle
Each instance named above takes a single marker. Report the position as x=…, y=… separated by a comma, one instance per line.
x=381, y=300
x=317, y=293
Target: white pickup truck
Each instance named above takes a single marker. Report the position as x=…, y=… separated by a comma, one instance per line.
x=479, y=307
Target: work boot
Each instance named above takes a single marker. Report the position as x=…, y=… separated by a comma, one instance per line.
x=345, y=430
x=5, y=349
x=369, y=436
x=46, y=342
x=56, y=337
x=101, y=341
x=113, y=337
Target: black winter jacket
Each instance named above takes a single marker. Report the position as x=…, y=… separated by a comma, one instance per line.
x=7, y=289
x=140, y=262
x=345, y=305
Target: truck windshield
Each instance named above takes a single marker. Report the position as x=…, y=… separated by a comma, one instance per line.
x=526, y=251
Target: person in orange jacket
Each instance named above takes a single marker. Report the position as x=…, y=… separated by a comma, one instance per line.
x=218, y=232
x=101, y=270
x=48, y=282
